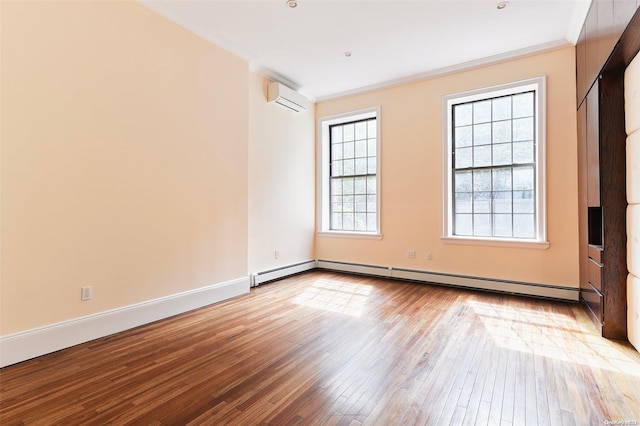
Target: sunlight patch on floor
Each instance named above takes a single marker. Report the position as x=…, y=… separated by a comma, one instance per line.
x=537, y=333
x=333, y=296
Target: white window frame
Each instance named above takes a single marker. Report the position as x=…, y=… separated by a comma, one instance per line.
x=323, y=190
x=538, y=85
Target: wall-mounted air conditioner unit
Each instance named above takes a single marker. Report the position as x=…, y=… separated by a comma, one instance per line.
x=288, y=98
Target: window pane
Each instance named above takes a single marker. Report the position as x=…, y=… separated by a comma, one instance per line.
x=348, y=150
x=348, y=132
x=336, y=152
x=336, y=134
x=502, y=108
x=523, y=129
x=482, y=134
x=371, y=147
x=336, y=187
x=348, y=221
x=502, y=154
x=347, y=203
x=463, y=114
x=464, y=158
x=371, y=222
x=347, y=186
x=348, y=167
x=360, y=185
x=372, y=165
x=463, y=181
x=523, y=178
x=464, y=224
x=523, y=152
x=523, y=202
x=371, y=185
x=361, y=130
x=336, y=168
x=336, y=221
x=523, y=226
x=502, y=179
x=361, y=166
x=482, y=156
x=502, y=225
x=361, y=148
x=463, y=136
x=482, y=225
x=482, y=180
x=502, y=202
x=463, y=202
x=361, y=221
x=371, y=203
x=523, y=105
x=482, y=202
x=372, y=128
x=482, y=111
x=501, y=131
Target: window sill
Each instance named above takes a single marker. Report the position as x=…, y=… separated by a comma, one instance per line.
x=496, y=242
x=341, y=234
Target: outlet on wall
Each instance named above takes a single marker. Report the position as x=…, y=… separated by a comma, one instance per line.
x=276, y=254
x=411, y=254
x=429, y=255
x=87, y=293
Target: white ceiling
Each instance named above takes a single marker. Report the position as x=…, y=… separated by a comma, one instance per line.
x=391, y=41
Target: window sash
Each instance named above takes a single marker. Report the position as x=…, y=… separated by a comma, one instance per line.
x=483, y=207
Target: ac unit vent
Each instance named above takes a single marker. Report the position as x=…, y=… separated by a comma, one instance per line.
x=288, y=98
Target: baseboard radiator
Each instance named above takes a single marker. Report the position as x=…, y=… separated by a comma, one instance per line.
x=284, y=271
x=453, y=280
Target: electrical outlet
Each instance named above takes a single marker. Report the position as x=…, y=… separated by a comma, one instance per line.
x=277, y=254
x=429, y=255
x=87, y=293
x=411, y=254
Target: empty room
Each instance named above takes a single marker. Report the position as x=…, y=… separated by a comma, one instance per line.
x=319, y=212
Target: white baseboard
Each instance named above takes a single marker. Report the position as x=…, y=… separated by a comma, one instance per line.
x=277, y=273
x=503, y=286
x=24, y=345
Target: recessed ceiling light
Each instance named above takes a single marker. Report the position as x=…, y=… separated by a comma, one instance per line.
x=502, y=5
x=347, y=54
x=292, y=4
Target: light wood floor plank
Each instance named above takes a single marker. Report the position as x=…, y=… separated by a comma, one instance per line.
x=324, y=348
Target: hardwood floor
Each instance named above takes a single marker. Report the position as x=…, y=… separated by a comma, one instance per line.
x=332, y=349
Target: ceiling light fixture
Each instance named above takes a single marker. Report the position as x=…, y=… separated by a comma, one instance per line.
x=292, y=4
x=347, y=54
x=502, y=5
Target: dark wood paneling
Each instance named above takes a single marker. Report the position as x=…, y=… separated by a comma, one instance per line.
x=606, y=30
x=614, y=204
x=581, y=67
x=609, y=40
x=583, y=226
x=592, y=66
x=593, y=147
x=595, y=253
x=595, y=274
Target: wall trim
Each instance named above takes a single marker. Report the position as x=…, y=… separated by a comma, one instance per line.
x=487, y=284
x=24, y=345
x=284, y=271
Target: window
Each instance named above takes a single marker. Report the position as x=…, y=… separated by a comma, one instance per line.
x=349, y=174
x=494, y=164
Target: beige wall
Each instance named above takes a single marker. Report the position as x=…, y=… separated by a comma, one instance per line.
x=281, y=182
x=411, y=173
x=632, y=112
x=124, y=160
